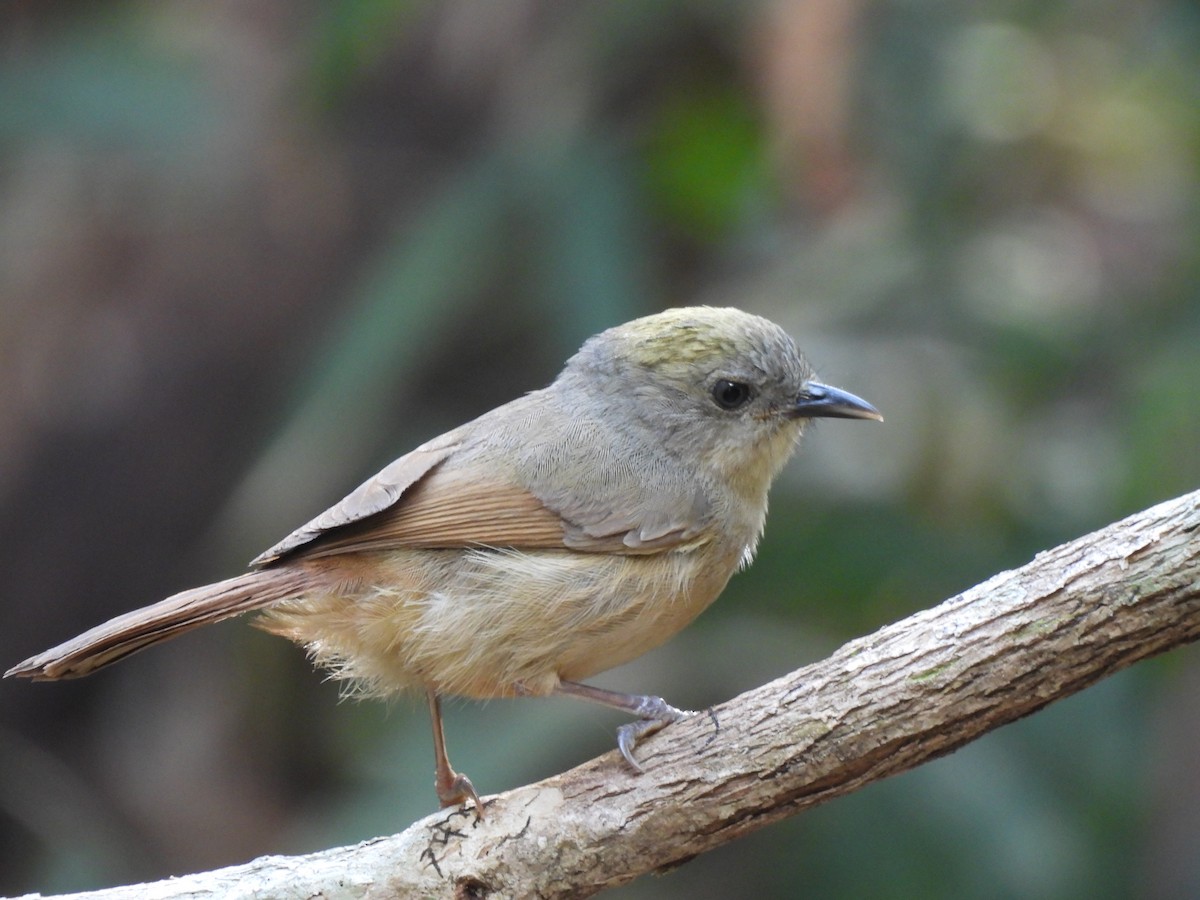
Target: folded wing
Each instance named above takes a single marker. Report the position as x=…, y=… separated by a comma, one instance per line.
x=430, y=500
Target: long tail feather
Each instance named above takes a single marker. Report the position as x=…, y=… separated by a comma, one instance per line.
x=133, y=631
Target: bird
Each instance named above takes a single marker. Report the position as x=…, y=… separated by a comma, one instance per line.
x=557, y=536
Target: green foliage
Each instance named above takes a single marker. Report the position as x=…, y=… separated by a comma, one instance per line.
x=706, y=163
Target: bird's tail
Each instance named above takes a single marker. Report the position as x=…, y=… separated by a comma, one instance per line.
x=128, y=633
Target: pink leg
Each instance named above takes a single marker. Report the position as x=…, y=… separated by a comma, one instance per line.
x=452, y=788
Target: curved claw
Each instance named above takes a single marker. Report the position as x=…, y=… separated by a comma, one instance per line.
x=628, y=736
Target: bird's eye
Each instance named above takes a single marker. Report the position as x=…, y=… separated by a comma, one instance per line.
x=731, y=394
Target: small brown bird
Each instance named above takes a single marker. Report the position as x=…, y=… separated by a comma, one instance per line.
x=555, y=537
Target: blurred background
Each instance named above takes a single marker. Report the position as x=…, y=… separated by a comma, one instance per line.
x=252, y=250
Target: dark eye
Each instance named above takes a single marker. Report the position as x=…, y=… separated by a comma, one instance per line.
x=731, y=394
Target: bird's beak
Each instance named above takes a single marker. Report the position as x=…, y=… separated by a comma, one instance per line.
x=822, y=401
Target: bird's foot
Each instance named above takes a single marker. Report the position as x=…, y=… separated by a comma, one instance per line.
x=661, y=713
x=454, y=789
x=652, y=712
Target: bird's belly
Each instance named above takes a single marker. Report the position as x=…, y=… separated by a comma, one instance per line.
x=492, y=623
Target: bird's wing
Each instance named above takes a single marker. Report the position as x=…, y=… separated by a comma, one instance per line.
x=374, y=495
x=429, y=500
x=439, y=509
x=631, y=518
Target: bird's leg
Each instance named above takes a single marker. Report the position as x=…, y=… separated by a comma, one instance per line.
x=452, y=788
x=652, y=712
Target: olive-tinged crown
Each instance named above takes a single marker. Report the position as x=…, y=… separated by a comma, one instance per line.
x=682, y=342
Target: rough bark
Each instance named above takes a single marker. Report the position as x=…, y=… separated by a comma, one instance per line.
x=882, y=704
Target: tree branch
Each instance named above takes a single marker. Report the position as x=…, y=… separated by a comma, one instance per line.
x=882, y=704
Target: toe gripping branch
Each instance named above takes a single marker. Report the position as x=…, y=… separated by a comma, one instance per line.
x=652, y=712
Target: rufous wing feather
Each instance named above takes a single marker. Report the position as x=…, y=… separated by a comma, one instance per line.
x=376, y=494
x=448, y=509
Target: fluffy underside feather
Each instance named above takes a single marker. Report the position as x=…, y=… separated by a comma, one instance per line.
x=490, y=623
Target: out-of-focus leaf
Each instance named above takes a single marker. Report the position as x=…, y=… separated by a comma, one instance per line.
x=705, y=163
x=350, y=35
